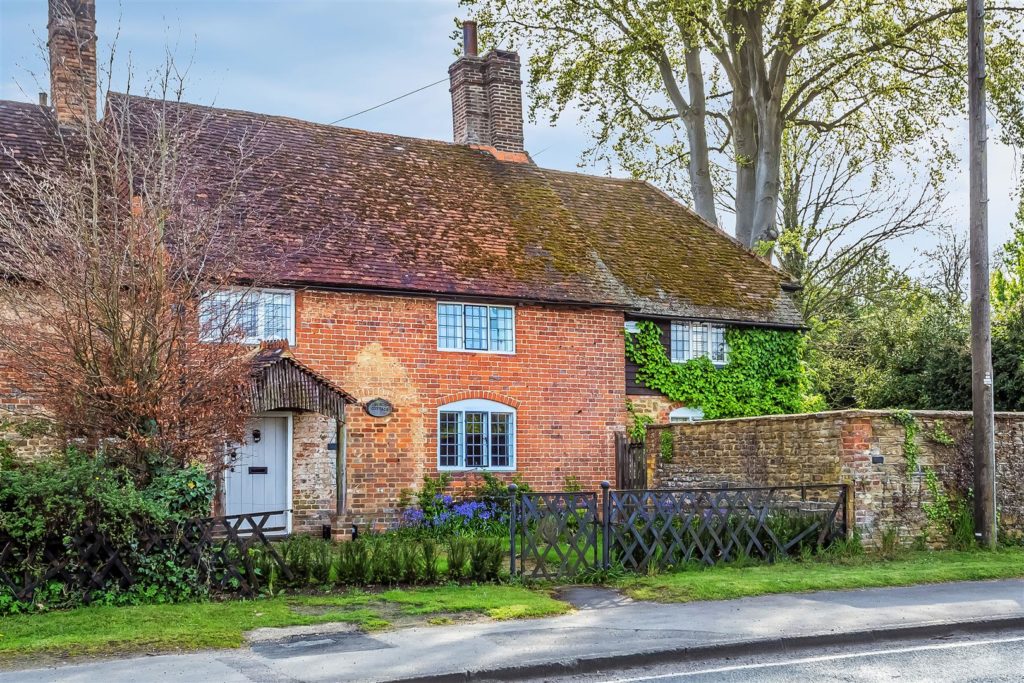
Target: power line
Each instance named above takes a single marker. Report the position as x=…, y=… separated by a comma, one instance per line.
x=378, y=106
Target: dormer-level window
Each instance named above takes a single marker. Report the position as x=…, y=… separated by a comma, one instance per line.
x=476, y=327
x=254, y=315
x=691, y=340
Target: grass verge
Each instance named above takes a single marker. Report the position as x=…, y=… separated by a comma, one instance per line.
x=192, y=626
x=866, y=571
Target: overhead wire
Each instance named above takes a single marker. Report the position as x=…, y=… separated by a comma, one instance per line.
x=394, y=99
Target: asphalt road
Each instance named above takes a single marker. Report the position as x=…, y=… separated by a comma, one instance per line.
x=983, y=657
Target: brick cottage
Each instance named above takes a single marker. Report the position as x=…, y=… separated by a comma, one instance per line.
x=466, y=305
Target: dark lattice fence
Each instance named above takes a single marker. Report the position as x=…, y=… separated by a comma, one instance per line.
x=557, y=534
x=662, y=528
x=220, y=549
x=564, y=534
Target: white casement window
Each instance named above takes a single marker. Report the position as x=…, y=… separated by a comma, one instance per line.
x=476, y=434
x=476, y=327
x=686, y=415
x=691, y=340
x=253, y=315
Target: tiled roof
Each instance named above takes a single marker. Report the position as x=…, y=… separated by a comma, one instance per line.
x=28, y=135
x=383, y=212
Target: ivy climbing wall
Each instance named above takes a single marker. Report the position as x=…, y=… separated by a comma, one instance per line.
x=765, y=374
x=911, y=471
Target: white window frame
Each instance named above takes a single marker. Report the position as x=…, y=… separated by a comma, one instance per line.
x=260, y=312
x=684, y=415
x=475, y=405
x=462, y=328
x=691, y=327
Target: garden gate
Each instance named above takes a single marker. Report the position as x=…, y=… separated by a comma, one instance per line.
x=557, y=534
x=630, y=463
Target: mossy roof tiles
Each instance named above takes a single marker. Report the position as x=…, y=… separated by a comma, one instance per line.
x=359, y=209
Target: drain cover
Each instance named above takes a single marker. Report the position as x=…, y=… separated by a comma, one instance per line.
x=318, y=643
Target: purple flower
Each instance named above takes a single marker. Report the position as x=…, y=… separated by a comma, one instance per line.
x=412, y=517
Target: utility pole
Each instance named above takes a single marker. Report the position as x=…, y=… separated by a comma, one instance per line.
x=981, y=312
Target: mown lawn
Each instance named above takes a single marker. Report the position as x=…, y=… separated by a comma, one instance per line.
x=867, y=571
x=192, y=626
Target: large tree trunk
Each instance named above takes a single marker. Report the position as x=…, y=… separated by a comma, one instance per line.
x=694, y=117
x=769, y=157
x=696, y=130
x=744, y=131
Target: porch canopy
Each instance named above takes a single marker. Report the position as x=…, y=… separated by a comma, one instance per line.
x=279, y=382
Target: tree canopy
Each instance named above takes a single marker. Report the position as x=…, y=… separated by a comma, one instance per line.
x=697, y=95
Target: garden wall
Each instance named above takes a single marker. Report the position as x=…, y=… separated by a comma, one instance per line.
x=868, y=449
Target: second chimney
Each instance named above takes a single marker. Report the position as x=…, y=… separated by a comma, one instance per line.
x=72, y=46
x=487, y=97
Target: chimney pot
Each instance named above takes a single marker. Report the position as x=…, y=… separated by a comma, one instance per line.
x=469, y=44
x=42, y=99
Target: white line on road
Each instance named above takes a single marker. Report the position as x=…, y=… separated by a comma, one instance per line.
x=821, y=658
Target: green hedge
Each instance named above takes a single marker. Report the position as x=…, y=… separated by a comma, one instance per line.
x=45, y=503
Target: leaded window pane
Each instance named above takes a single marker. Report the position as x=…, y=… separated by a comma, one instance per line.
x=679, y=340
x=476, y=439
x=449, y=438
x=247, y=316
x=501, y=328
x=501, y=439
x=475, y=327
x=700, y=339
x=449, y=326
x=213, y=316
x=718, y=346
x=277, y=309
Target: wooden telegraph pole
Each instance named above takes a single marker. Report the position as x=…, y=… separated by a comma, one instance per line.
x=981, y=312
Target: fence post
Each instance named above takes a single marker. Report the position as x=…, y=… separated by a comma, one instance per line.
x=849, y=512
x=605, y=523
x=512, y=508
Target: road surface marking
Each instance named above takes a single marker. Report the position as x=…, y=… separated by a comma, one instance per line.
x=820, y=658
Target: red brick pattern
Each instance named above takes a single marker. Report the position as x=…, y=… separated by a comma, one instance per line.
x=72, y=47
x=565, y=380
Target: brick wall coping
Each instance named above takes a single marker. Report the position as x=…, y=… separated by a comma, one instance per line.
x=849, y=413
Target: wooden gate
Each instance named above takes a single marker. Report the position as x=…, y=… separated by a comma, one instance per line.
x=630, y=464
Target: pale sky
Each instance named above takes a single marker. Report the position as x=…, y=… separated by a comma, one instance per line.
x=320, y=60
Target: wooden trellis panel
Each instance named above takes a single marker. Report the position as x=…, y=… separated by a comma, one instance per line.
x=219, y=548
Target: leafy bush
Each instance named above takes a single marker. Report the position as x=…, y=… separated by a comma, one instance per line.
x=485, y=558
x=387, y=563
x=458, y=555
x=308, y=559
x=45, y=504
x=353, y=563
x=431, y=561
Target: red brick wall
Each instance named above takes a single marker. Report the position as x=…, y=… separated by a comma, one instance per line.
x=566, y=381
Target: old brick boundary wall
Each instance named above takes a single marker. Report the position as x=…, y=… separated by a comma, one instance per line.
x=860, y=447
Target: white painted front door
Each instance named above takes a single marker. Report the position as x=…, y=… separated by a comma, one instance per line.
x=257, y=476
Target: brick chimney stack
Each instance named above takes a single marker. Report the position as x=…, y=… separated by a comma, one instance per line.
x=72, y=45
x=487, y=98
